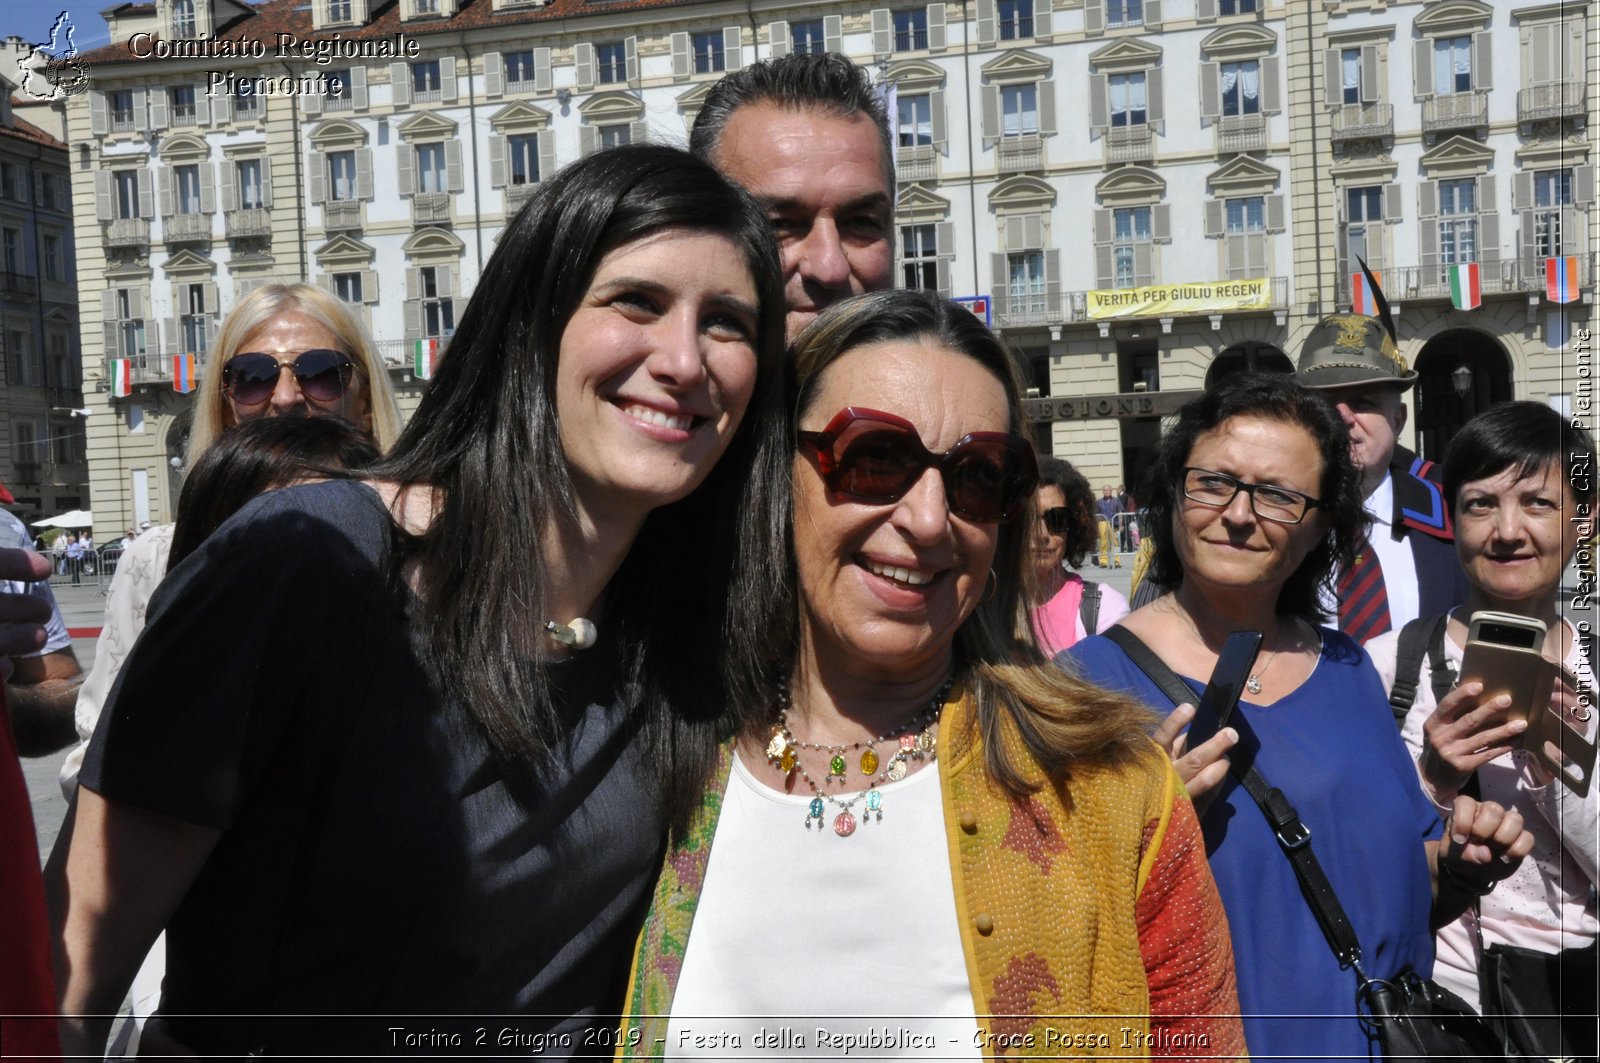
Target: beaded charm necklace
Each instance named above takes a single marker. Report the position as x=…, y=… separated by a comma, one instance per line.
x=915, y=742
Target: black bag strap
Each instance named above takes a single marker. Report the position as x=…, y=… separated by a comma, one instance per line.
x=1089, y=606
x=1294, y=837
x=1409, y=651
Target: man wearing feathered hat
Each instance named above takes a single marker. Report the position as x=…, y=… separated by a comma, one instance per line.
x=1408, y=566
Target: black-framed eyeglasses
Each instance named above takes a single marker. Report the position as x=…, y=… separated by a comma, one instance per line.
x=1272, y=503
x=1056, y=520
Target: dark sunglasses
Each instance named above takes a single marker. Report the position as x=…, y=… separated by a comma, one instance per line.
x=869, y=456
x=252, y=377
x=1057, y=520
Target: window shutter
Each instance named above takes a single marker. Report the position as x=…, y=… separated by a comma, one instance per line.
x=1333, y=77
x=732, y=48
x=104, y=205
x=1422, y=68
x=1428, y=200
x=1014, y=237
x=1275, y=214
x=1522, y=191
x=406, y=163
x=311, y=103
x=832, y=31
x=444, y=277
x=1000, y=295
x=1370, y=84
x=364, y=173
x=1488, y=221
x=147, y=207
x=588, y=140
x=358, y=87
x=326, y=282
x=136, y=302
x=453, y=177
x=882, y=33
x=1205, y=10
x=447, y=78
x=547, y=155
x=1033, y=230
x=630, y=59
x=1482, y=70
x=109, y=337
x=1104, y=268
x=316, y=171
x=169, y=336
x=413, y=283
x=164, y=184
x=941, y=271
x=1152, y=15
x=944, y=239
x=1486, y=194
x=936, y=36
x=541, y=70
x=1428, y=242
x=158, y=109
x=230, y=186
x=400, y=83
x=991, y=113
x=1528, y=247
x=778, y=38
x=1144, y=270
x=680, y=55
x=986, y=22
x=1583, y=185
x=413, y=319
x=1392, y=207
x=1161, y=223
x=936, y=109
x=141, y=120
x=494, y=74
x=1271, y=78
x=208, y=188
x=497, y=162
x=638, y=132
x=1155, y=100
x=1216, y=218
x=99, y=118
x=1099, y=104
x=1210, y=91
x=1047, y=108
x=1094, y=16
x=1052, y=282
x=369, y=286
x=1041, y=21
x=583, y=63
x=209, y=296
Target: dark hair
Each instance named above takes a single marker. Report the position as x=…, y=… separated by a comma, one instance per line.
x=255, y=456
x=826, y=82
x=1061, y=720
x=1273, y=397
x=485, y=439
x=1525, y=436
x=1079, y=500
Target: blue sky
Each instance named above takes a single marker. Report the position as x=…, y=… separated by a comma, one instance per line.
x=31, y=20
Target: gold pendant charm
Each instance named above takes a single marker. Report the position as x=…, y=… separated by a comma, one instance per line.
x=776, y=747
x=869, y=761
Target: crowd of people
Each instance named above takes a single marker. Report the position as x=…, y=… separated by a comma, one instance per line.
x=794, y=702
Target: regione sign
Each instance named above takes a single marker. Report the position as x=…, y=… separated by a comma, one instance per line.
x=1176, y=300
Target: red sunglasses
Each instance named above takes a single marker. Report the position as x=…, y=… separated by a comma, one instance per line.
x=871, y=456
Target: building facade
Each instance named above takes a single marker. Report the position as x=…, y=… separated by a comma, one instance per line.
x=42, y=415
x=1140, y=194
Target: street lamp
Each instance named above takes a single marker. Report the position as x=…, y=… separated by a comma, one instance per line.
x=1461, y=380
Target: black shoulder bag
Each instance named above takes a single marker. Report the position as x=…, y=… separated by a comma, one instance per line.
x=1411, y=1017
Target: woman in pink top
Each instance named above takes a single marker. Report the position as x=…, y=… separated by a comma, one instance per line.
x=1065, y=533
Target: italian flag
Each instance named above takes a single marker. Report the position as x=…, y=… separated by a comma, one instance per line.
x=426, y=359
x=1466, y=286
x=183, y=373
x=1361, y=298
x=121, y=377
x=1561, y=279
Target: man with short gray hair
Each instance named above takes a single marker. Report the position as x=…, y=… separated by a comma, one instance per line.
x=807, y=135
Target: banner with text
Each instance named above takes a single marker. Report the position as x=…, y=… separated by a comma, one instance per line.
x=1174, y=300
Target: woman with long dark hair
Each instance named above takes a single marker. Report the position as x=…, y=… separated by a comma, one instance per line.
x=427, y=769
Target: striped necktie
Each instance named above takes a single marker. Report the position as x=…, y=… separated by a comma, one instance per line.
x=1363, y=599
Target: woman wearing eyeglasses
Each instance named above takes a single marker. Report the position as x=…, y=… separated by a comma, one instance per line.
x=1252, y=501
x=923, y=818
x=1070, y=607
x=395, y=759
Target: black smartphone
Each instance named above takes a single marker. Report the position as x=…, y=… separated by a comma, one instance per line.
x=1226, y=684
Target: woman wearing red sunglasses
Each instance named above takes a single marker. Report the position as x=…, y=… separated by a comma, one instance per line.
x=393, y=755
x=923, y=817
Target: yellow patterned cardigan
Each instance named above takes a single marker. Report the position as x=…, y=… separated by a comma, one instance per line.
x=1089, y=919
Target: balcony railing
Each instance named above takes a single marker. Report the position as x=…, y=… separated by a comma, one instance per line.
x=1363, y=121
x=128, y=232
x=1023, y=152
x=155, y=368
x=1459, y=110
x=187, y=227
x=517, y=195
x=185, y=116
x=1506, y=276
x=400, y=355
x=1130, y=144
x=341, y=214
x=1561, y=99
x=916, y=163
x=1035, y=308
x=430, y=208
x=122, y=121
x=342, y=102
x=18, y=283
x=1241, y=132
x=427, y=95
x=251, y=221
